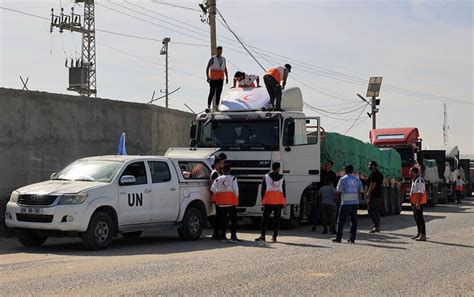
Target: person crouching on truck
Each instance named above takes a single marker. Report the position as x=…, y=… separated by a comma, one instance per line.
x=246, y=80
x=218, y=166
x=349, y=188
x=417, y=200
x=459, y=189
x=275, y=82
x=273, y=200
x=226, y=197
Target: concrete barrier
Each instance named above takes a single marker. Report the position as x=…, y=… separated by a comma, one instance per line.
x=42, y=132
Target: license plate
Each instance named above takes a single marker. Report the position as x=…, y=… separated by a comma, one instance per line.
x=31, y=210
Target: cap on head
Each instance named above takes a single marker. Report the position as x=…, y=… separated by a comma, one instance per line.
x=288, y=66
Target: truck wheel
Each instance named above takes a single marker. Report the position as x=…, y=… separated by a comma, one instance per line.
x=100, y=232
x=387, y=204
x=30, y=238
x=393, y=200
x=192, y=224
x=435, y=195
x=398, y=195
x=135, y=234
x=295, y=217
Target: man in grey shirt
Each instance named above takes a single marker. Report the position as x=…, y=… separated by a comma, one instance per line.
x=327, y=195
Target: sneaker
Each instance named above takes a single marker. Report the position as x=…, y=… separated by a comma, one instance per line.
x=261, y=238
x=338, y=240
x=421, y=238
x=374, y=230
x=235, y=240
x=351, y=241
x=416, y=236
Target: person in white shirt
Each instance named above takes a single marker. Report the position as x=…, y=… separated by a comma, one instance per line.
x=216, y=71
x=245, y=80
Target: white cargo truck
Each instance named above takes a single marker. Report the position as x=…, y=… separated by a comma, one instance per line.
x=252, y=139
x=97, y=198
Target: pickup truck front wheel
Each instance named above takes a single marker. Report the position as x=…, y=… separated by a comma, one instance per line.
x=192, y=224
x=100, y=232
x=30, y=238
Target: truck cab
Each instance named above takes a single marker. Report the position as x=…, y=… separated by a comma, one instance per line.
x=253, y=139
x=99, y=197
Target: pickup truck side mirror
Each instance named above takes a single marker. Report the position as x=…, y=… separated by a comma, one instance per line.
x=52, y=175
x=127, y=180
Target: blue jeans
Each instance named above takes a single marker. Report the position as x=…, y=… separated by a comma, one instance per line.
x=344, y=212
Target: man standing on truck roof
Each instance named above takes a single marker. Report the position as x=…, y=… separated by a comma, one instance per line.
x=216, y=70
x=349, y=188
x=275, y=82
x=216, y=172
x=226, y=196
x=245, y=80
x=375, y=196
x=273, y=200
x=417, y=200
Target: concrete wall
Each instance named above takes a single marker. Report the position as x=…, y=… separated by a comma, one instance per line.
x=42, y=132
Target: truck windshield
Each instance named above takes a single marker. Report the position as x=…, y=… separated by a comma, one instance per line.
x=89, y=170
x=407, y=155
x=245, y=135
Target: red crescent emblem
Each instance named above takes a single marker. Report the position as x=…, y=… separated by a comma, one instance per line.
x=225, y=183
x=246, y=97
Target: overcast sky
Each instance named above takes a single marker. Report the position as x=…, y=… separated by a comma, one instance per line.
x=419, y=46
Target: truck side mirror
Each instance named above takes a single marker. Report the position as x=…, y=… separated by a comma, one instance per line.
x=289, y=137
x=127, y=180
x=192, y=131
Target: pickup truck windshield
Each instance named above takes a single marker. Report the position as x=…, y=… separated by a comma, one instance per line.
x=245, y=135
x=89, y=170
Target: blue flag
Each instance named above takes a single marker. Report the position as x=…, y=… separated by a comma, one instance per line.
x=121, y=147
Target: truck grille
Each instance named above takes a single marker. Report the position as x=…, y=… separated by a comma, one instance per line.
x=35, y=218
x=248, y=193
x=28, y=199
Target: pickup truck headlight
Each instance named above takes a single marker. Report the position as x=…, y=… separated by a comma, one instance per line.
x=14, y=197
x=73, y=198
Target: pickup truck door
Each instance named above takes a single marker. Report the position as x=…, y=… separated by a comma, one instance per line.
x=135, y=200
x=300, y=156
x=165, y=188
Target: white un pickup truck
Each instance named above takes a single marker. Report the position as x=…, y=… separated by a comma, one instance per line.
x=98, y=197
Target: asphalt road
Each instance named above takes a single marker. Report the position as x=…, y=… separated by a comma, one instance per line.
x=303, y=263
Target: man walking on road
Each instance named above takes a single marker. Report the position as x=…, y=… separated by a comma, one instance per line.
x=273, y=193
x=417, y=200
x=374, y=196
x=216, y=70
x=275, y=82
x=349, y=188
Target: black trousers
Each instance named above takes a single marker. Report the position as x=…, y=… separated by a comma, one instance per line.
x=267, y=211
x=459, y=196
x=228, y=212
x=217, y=222
x=274, y=90
x=375, y=208
x=215, y=87
x=328, y=216
x=420, y=221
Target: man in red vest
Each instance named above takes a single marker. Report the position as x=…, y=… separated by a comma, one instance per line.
x=275, y=82
x=417, y=200
x=216, y=71
x=273, y=200
x=226, y=197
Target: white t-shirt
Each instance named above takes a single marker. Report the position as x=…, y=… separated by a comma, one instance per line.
x=418, y=186
x=248, y=80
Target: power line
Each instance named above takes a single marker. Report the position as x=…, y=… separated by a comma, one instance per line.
x=353, y=124
x=176, y=6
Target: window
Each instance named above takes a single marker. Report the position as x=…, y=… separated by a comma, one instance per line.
x=390, y=136
x=90, y=170
x=194, y=170
x=160, y=172
x=137, y=170
x=295, y=133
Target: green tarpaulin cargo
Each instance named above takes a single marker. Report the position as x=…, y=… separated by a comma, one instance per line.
x=343, y=150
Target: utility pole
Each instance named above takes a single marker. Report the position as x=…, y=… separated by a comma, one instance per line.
x=445, y=125
x=373, y=91
x=82, y=73
x=164, y=51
